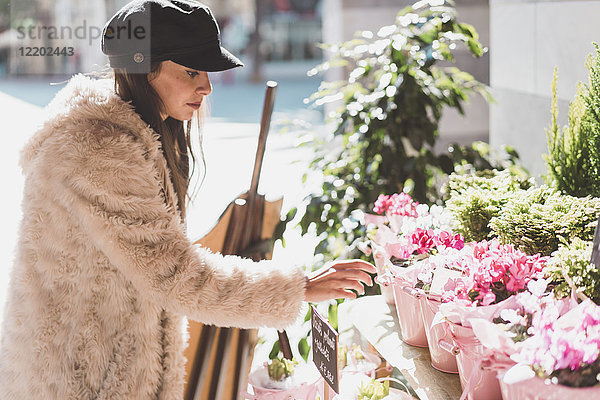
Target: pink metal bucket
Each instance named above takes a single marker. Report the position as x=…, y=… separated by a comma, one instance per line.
x=386, y=288
x=478, y=382
x=540, y=389
x=409, y=314
x=306, y=391
x=439, y=338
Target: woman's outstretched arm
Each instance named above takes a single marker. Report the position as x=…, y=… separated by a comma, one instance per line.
x=108, y=182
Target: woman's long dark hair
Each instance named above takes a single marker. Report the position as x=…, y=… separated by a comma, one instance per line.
x=175, y=139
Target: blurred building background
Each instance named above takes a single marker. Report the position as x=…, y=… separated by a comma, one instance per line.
x=270, y=30
x=277, y=39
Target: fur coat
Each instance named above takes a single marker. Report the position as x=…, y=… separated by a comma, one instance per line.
x=104, y=273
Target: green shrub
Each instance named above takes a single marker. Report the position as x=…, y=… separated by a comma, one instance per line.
x=570, y=267
x=574, y=157
x=538, y=219
x=475, y=199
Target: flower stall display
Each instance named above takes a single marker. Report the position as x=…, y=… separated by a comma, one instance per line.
x=563, y=351
x=411, y=283
x=406, y=234
x=492, y=273
x=497, y=282
x=391, y=231
x=283, y=379
x=554, y=344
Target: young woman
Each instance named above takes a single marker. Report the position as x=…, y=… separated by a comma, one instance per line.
x=104, y=272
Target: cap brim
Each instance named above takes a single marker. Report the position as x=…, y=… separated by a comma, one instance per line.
x=212, y=60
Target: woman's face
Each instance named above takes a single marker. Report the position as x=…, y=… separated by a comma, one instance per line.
x=181, y=89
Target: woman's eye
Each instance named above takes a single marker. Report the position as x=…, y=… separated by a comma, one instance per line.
x=192, y=74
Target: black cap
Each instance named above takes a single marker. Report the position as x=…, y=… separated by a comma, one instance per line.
x=183, y=31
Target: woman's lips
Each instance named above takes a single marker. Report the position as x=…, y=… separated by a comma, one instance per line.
x=195, y=106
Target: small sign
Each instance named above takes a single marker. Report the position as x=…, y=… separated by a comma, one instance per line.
x=325, y=349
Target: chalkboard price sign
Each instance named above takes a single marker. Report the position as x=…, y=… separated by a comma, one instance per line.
x=325, y=349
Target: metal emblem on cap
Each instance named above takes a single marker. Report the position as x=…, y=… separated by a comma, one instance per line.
x=138, y=57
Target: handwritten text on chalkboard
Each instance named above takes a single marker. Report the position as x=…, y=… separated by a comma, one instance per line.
x=325, y=349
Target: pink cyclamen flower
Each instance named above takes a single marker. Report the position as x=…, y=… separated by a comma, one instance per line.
x=381, y=204
x=458, y=242
x=402, y=204
x=494, y=271
x=447, y=239
x=423, y=239
x=562, y=342
x=396, y=204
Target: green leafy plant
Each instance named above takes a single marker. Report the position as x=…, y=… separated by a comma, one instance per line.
x=537, y=220
x=574, y=158
x=281, y=368
x=570, y=268
x=474, y=199
x=373, y=390
x=388, y=125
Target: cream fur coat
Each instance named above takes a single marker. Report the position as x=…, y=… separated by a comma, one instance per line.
x=104, y=272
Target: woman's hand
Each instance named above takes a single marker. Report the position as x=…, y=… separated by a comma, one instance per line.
x=335, y=281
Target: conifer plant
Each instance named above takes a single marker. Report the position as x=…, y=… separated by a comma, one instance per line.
x=574, y=151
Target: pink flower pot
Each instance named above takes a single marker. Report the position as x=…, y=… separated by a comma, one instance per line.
x=540, y=389
x=386, y=289
x=409, y=314
x=304, y=391
x=368, y=366
x=438, y=337
x=478, y=383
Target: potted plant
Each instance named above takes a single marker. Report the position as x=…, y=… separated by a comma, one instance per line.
x=553, y=343
x=365, y=388
x=354, y=360
x=405, y=233
x=492, y=273
x=283, y=379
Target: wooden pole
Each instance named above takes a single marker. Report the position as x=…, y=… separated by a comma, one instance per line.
x=325, y=390
x=284, y=345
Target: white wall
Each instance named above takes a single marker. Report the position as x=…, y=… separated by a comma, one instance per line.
x=528, y=38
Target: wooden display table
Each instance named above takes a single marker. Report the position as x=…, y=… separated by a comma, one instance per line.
x=372, y=319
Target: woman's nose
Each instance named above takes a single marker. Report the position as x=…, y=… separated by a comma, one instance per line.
x=204, y=87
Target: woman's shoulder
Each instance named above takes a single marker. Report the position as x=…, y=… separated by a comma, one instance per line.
x=86, y=116
x=92, y=102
